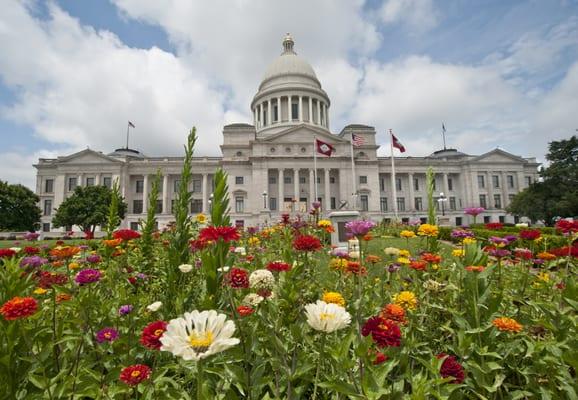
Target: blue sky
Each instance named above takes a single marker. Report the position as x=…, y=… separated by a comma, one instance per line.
x=498, y=73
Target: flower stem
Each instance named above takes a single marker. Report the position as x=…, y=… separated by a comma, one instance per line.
x=200, y=380
x=322, y=348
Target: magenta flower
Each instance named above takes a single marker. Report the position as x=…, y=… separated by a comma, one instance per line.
x=31, y=236
x=88, y=275
x=474, y=211
x=359, y=227
x=32, y=262
x=125, y=309
x=93, y=258
x=106, y=335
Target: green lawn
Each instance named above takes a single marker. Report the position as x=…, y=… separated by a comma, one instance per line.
x=23, y=243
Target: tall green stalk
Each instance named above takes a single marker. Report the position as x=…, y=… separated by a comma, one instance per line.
x=430, y=182
x=149, y=225
x=113, y=219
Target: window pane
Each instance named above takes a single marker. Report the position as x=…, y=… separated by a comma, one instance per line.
x=49, y=186
x=364, y=202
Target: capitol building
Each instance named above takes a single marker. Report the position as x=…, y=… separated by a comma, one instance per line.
x=270, y=166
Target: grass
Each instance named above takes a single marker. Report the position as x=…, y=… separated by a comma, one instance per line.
x=23, y=243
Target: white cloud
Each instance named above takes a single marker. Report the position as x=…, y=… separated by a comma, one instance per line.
x=418, y=16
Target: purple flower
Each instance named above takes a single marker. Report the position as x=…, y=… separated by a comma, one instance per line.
x=393, y=268
x=538, y=261
x=142, y=276
x=88, y=275
x=31, y=236
x=359, y=227
x=32, y=262
x=474, y=211
x=93, y=258
x=461, y=234
x=316, y=205
x=510, y=238
x=106, y=335
x=498, y=240
x=125, y=309
x=499, y=253
x=252, y=230
x=340, y=253
x=83, y=247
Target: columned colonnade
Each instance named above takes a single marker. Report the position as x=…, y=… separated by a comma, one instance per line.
x=277, y=109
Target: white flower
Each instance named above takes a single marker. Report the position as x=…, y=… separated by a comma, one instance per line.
x=391, y=251
x=326, y=317
x=252, y=299
x=198, y=335
x=154, y=306
x=185, y=268
x=16, y=249
x=433, y=286
x=261, y=279
x=224, y=269
x=240, y=250
x=522, y=225
x=354, y=254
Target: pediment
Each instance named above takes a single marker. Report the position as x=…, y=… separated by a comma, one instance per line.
x=302, y=134
x=87, y=156
x=498, y=156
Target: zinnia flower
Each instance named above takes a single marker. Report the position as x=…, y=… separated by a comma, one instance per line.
x=19, y=307
x=406, y=299
x=261, y=279
x=125, y=234
x=106, y=335
x=359, y=227
x=214, y=233
x=394, y=312
x=152, y=333
x=135, y=374
x=155, y=306
x=87, y=276
x=306, y=243
x=384, y=332
x=33, y=262
x=567, y=226
x=474, y=211
x=238, y=278
x=407, y=234
x=530, y=234
x=505, y=324
x=253, y=299
x=326, y=317
x=244, y=311
x=475, y=268
x=451, y=368
x=185, y=268
x=198, y=335
x=125, y=309
x=427, y=230
x=391, y=251
x=278, y=266
x=334, y=298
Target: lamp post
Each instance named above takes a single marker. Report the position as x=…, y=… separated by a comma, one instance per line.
x=442, y=198
x=265, y=200
x=210, y=202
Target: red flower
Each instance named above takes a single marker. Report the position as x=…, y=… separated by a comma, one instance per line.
x=243, y=311
x=355, y=268
x=384, y=332
x=431, y=258
x=31, y=250
x=418, y=265
x=524, y=254
x=530, y=234
x=238, y=278
x=214, y=233
x=135, y=374
x=278, y=266
x=125, y=234
x=494, y=226
x=47, y=279
x=152, y=333
x=197, y=244
x=380, y=358
x=6, y=253
x=451, y=367
x=19, y=307
x=285, y=219
x=566, y=226
x=565, y=251
x=306, y=243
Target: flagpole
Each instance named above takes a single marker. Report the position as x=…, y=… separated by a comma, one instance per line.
x=127, y=129
x=393, y=187
x=354, y=180
x=315, y=170
x=444, y=134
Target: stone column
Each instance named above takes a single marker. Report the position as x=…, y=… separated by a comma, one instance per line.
x=262, y=111
x=318, y=112
x=327, y=190
x=504, y=184
x=310, y=110
x=327, y=117
x=490, y=191
x=446, y=184
x=165, y=194
x=281, y=186
x=411, y=194
x=279, y=109
x=289, y=116
x=145, y=192
x=269, y=113
x=204, y=193
x=519, y=181
x=300, y=108
x=296, y=184
x=97, y=179
x=79, y=179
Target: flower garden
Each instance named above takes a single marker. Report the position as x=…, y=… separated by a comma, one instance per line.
x=206, y=311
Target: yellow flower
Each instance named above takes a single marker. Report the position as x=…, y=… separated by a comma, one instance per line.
x=469, y=241
x=324, y=223
x=40, y=291
x=72, y=266
x=334, y=297
x=403, y=260
x=428, y=230
x=253, y=241
x=201, y=218
x=543, y=276
x=404, y=253
x=458, y=253
x=407, y=234
x=338, y=263
x=505, y=324
x=406, y=299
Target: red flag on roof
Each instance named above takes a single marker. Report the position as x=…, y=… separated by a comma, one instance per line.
x=396, y=143
x=324, y=148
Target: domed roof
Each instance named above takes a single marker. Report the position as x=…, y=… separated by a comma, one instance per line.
x=289, y=63
x=126, y=152
x=447, y=153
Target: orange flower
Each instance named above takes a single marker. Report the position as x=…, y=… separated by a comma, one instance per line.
x=112, y=242
x=19, y=307
x=57, y=264
x=395, y=313
x=475, y=268
x=367, y=237
x=505, y=324
x=418, y=265
x=60, y=297
x=355, y=268
x=372, y=259
x=431, y=258
x=64, y=252
x=546, y=256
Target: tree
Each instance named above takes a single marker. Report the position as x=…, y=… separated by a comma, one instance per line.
x=18, y=208
x=87, y=208
x=557, y=194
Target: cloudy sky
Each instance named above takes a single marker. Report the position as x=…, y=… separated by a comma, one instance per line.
x=498, y=73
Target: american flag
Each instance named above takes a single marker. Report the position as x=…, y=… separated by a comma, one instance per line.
x=357, y=140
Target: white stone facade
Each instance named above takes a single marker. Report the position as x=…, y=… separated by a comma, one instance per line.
x=271, y=171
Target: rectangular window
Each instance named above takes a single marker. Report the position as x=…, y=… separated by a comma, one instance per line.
x=239, y=204
x=197, y=185
x=196, y=206
x=303, y=180
x=294, y=111
x=502, y=219
x=487, y=219
x=272, y=180
x=239, y=180
x=483, y=201
x=364, y=202
x=139, y=186
x=496, y=181
x=287, y=179
x=458, y=221
x=107, y=182
x=511, y=198
x=497, y=201
x=331, y=179
x=511, y=181
x=528, y=180
x=333, y=203
x=276, y=113
x=481, y=182
x=47, y=207
x=401, y=204
x=382, y=185
x=90, y=181
x=176, y=184
x=173, y=202
x=363, y=179
x=418, y=203
x=383, y=204
x=134, y=226
x=137, y=207
x=450, y=184
x=416, y=184
x=398, y=184
x=452, y=203
x=71, y=184
x=239, y=224
x=49, y=186
x=46, y=227
x=272, y=203
x=159, y=207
